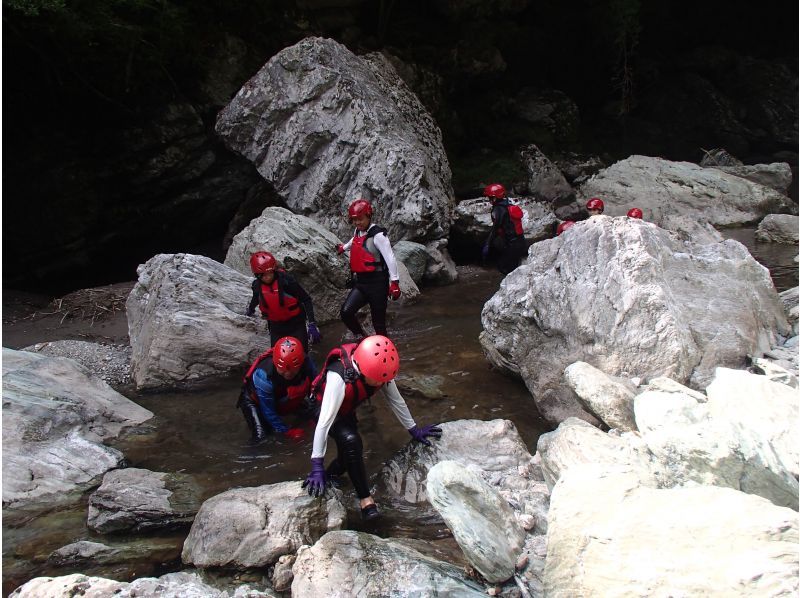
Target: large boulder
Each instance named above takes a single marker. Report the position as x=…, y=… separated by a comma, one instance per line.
x=349, y=563
x=610, y=536
x=682, y=196
x=481, y=521
x=778, y=228
x=254, y=527
x=630, y=299
x=55, y=419
x=473, y=219
x=308, y=252
x=777, y=175
x=187, y=322
x=325, y=127
x=137, y=500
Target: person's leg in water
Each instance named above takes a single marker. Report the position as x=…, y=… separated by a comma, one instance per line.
x=344, y=432
x=349, y=312
x=378, y=300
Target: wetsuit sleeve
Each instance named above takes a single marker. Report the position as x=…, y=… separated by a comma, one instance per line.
x=251, y=309
x=385, y=247
x=348, y=244
x=266, y=401
x=398, y=405
x=331, y=402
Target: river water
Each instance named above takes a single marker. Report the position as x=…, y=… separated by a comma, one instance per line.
x=444, y=376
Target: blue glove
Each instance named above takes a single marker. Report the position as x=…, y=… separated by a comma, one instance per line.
x=316, y=481
x=485, y=250
x=422, y=434
x=313, y=333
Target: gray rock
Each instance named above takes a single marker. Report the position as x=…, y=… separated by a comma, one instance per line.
x=682, y=196
x=254, y=527
x=349, y=128
x=110, y=363
x=777, y=176
x=55, y=418
x=349, y=563
x=778, y=228
x=441, y=268
x=282, y=576
x=628, y=298
x=187, y=322
x=575, y=443
x=698, y=541
x=481, y=521
x=545, y=181
x=609, y=400
x=473, y=219
x=171, y=585
x=414, y=256
x=137, y=500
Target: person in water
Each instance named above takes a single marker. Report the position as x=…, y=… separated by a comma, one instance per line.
x=506, y=235
x=353, y=373
x=276, y=385
x=595, y=206
x=373, y=271
x=635, y=213
x=285, y=304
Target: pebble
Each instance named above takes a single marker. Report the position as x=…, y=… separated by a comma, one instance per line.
x=111, y=363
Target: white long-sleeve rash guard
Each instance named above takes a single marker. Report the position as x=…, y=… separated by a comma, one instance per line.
x=384, y=246
x=332, y=400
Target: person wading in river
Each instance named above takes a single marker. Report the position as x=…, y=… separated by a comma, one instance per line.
x=276, y=384
x=282, y=301
x=506, y=236
x=352, y=374
x=373, y=271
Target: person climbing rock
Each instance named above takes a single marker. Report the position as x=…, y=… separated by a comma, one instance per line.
x=352, y=374
x=276, y=384
x=285, y=304
x=373, y=271
x=506, y=236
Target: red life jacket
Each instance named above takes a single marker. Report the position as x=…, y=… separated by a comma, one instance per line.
x=275, y=303
x=356, y=391
x=289, y=394
x=510, y=224
x=364, y=256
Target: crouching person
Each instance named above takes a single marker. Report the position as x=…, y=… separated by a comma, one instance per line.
x=276, y=385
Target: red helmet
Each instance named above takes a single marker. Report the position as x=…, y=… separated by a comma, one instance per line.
x=288, y=354
x=595, y=204
x=377, y=358
x=360, y=207
x=564, y=226
x=635, y=213
x=494, y=191
x=262, y=261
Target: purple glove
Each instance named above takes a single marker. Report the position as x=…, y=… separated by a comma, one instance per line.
x=313, y=333
x=422, y=434
x=316, y=481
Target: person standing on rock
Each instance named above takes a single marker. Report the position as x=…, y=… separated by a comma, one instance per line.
x=506, y=236
x=276, y=384
x=285, y=304
x=352, y=374
x=373, y=271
